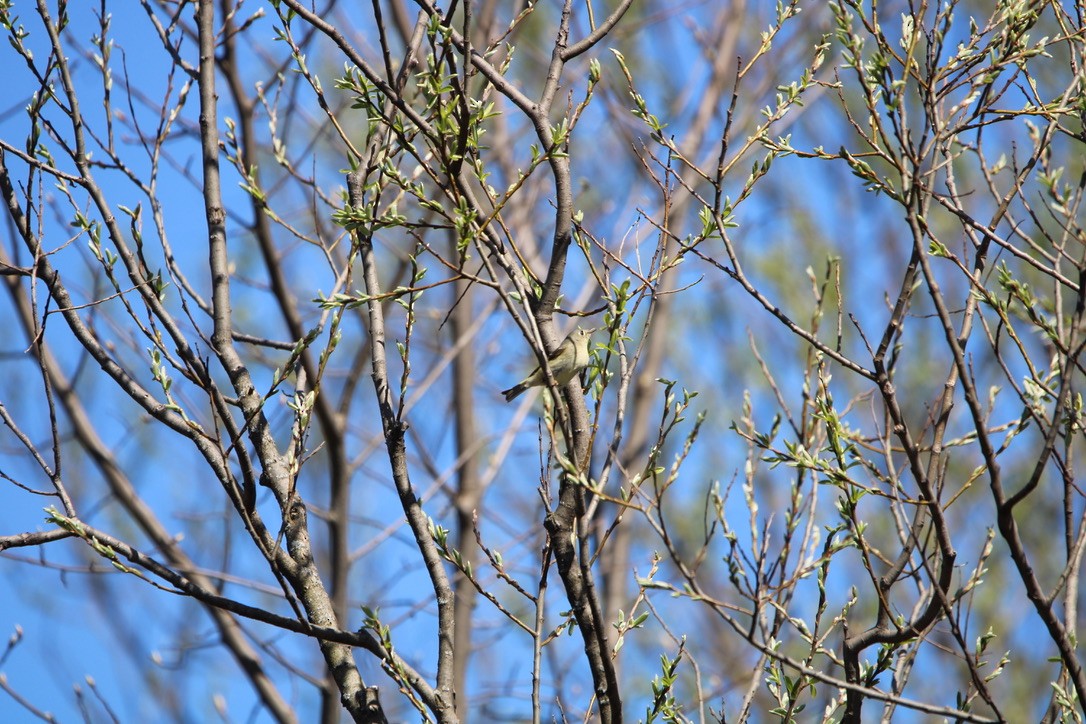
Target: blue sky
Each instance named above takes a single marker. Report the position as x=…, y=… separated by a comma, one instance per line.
x=72, y=623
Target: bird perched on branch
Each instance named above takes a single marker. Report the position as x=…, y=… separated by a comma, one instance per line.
x=565, y=362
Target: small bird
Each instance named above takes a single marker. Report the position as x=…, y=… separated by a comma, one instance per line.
x=566, y=362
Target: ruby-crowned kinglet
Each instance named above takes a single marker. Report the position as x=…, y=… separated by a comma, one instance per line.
x=565, y=362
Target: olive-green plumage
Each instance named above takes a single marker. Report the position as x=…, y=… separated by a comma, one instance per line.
x=565, y=362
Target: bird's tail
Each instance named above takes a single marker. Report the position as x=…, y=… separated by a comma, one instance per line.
x=513, y=392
